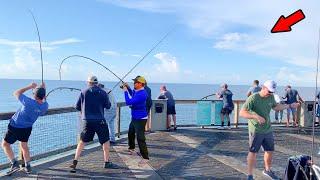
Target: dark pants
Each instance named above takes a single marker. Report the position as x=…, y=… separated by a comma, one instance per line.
x=137, y=127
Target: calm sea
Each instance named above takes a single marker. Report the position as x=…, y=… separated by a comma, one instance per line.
x=62, y=98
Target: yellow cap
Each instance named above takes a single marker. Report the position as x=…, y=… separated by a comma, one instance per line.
x=140, y=79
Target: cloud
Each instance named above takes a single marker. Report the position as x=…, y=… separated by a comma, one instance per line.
x=65, y=41
x=168, y=63
x=245, y=25
x=111, y=53
x=46, y=46
x=24, y=64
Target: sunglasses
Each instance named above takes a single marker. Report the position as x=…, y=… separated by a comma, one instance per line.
x=270, y=92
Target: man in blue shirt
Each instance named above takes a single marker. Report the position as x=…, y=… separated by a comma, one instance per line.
x=226, y=95
x=20, y=125
x=254, y=89
x=136, y=99
x=171, y=107
x=292, y=96
x=91, y=104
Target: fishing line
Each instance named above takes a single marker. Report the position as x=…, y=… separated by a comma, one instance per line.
x=154, y=47
x=84, y=57
x=62, y=88
x=40, y=46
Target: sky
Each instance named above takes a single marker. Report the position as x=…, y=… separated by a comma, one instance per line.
x=212, y=41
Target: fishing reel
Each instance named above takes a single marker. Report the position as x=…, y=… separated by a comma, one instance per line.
x=122, y=86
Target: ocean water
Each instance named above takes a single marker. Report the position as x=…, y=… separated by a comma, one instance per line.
x=63, y=98
x=61, y=130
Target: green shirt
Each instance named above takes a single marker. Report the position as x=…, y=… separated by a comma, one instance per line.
x=256, y=104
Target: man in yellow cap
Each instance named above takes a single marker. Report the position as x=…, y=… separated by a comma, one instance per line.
x=139, y=115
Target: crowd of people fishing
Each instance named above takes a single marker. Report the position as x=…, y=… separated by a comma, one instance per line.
x=97, y=107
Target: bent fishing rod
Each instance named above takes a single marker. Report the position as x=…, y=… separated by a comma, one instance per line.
x=153, y=48
x=90, y=59
x=62, y=88
x=205, y=97
x=40, y=46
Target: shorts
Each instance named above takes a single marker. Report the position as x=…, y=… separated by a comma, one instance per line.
x=21, y=134
x=90, y=128
x=256, y=140
x=293, y=110
x=226, y=110
x=171, y=110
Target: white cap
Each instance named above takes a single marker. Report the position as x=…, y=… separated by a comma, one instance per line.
x=270, y=85
x=92, y=79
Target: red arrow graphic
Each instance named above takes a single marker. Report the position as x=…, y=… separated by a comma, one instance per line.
x=284, y=24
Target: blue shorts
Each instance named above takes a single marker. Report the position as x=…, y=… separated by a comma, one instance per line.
x=293, y=110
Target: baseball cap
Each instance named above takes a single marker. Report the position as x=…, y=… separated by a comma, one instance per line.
x=39, y=92
x=140, y=79
x=92, y=79
x=270, y=85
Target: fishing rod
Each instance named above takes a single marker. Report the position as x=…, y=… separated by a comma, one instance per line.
x=84, y=57
x=315, y=98
x=208, y=96
x=40, y=46
x=61, y=88
x=154, y=47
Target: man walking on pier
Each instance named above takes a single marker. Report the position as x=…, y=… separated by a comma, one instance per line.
x=91, y=103
x=20, y=125
x=136, y=99
x=257, y=110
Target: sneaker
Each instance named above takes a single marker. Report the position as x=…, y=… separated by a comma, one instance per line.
x=27, y=169
x=14, y=168
x=270, y=174
x=73, y=166
x=250, y=177
x=109, y=165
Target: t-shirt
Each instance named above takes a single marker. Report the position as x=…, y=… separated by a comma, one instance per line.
x=254, y=89
x=261, y=106
x=226, y=96
x=28, y=113
x=92, y=102
x=167, y=95
x=291, y=96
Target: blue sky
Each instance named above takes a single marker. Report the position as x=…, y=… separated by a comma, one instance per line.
x=213, y=41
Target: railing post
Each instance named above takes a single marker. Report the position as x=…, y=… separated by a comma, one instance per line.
x=236, y=113
x=118, y=119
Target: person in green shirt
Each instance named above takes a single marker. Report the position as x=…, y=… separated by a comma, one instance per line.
x=257, y=110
